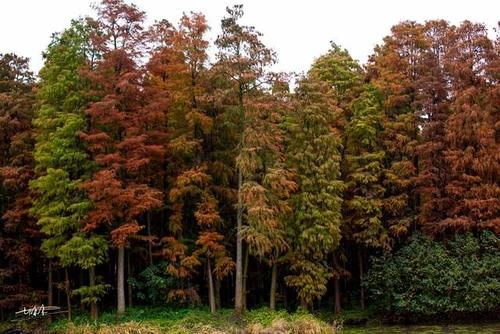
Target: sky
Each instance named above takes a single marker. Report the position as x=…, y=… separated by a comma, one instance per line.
x=299, y=30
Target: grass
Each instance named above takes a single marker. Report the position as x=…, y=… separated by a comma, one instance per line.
x=196, y=321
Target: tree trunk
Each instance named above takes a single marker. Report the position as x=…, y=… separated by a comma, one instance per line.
x=67, y=289
x=58, y=290
x=93, y=305
x=272, y=296
x=129, y=286
x=217, y=293
x=238, y=293
x=337, y=285
x=211, y=294
x=50, y=294
x=361, y=288
x=150, y=247
x=245, y=275
x=304, y=305
x=120, y=285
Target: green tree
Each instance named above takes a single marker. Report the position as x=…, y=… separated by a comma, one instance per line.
x=315, y=155
x=344, y=76
x=362, y=172
x=62, y=163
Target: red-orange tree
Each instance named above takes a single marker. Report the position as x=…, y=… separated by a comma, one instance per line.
x=117, y=138
x=471, y=133
x=19, y=236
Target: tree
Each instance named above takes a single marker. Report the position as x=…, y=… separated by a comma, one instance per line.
x=269, y=184
x=432, y=107
x=471, y=135
x=242, y=60
x=362, y=172
x=395, y=71
x=62, y=163
x=117, y=139
x=344, y=75
x=19, y=235
x=315, y=154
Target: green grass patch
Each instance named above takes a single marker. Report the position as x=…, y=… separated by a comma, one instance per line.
x=195, y=320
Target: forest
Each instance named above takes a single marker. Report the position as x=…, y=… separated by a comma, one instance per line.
x=140, y=169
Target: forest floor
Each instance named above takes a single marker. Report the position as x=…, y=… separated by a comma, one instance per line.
x=190, y=321
x=143, y=320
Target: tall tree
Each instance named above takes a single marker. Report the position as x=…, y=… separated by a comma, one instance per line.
x=242, y=60
x=117, y=139
x=19, y=235
x=315, y=154
x=344, y=75
x=432, y=107
x=61, y=161
x=471, y=133
x=269, y=184
x=362, y=172
x=395, y=70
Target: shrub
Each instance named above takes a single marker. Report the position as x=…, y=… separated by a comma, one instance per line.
x=430, y=277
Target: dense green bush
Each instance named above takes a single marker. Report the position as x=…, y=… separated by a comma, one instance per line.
x=152, y=284
x=430, y=277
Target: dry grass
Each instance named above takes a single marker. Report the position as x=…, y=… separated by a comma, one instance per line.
x=278, y=326
x=300, y=326
x=259, y=321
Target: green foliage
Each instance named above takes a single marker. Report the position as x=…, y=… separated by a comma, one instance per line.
x=431, y=277
x=152, y=284
x=314, y=153
x=340, y=71
x=62, y=162
x=91, y=294
x=84, y=251
x=363, y=167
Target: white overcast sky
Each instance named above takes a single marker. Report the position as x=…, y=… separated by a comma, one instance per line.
x=299, y=30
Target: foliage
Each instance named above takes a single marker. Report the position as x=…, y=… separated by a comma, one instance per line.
x=152, y=284
x=19, y=235
x=315, y=154
x=133, y=142
x=434, y=277
x=62, y=163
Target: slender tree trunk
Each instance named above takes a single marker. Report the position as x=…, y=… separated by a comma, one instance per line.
x=129, y=286
x=211, y=294
x=304, y=304
x=245, y=275
x=120, y=285
x=58, y=290
x=217, y=293
x=93, y=305
x=338, y=307
x=285, y=296
x=272, y=295
x=238, y=293
x=50, y=293
x=150, y=246
x=361, y=288
x=67, y=289
x=81, y=277
x=337, y=286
